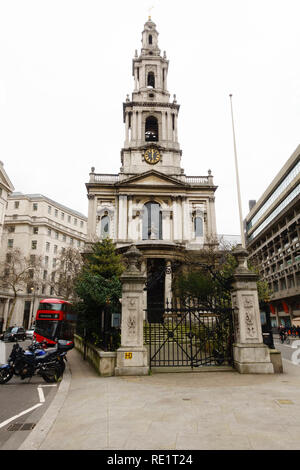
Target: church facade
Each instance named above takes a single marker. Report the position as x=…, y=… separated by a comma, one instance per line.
x=151, y=202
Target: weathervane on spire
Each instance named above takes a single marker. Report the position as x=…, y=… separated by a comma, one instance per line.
x=149, y=12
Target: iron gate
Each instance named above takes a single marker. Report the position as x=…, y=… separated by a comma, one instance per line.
x=189, y=334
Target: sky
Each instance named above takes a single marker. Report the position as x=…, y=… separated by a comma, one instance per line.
x=66, y=68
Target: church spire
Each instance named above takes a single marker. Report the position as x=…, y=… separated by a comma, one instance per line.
x=150, y=118
x=150, y=39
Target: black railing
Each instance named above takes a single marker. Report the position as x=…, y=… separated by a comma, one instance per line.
x=189, y=334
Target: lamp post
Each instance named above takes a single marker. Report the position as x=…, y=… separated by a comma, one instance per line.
x=237, y=181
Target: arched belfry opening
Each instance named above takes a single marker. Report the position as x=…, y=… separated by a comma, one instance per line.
x=151, y=129
x=150, y=38
x=151, y=79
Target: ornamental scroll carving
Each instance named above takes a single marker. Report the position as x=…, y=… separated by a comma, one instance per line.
x=248, y=304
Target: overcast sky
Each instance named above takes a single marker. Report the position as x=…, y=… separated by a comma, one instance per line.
x=66, y=67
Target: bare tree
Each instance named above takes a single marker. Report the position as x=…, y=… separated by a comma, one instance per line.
x=68, y=266
x=19, y=273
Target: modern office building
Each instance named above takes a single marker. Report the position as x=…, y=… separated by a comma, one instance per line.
x=39, y=227
x=273, y=240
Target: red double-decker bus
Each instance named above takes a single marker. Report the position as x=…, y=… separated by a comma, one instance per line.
x=54, y=320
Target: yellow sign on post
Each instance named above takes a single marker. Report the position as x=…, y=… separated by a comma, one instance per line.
x=128, y=355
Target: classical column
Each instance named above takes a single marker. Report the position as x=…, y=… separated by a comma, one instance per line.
x=5, y=314
x=92, y=216
x=139, y=124
x=130, y=219
x=250, y=354
x=212, y=219
x=168, y=282
x=132, y=356
x=166, y=224
x=163, y=125
x=176, y=128
x=169, y=126
x=180, y=217
x=175, y=218
x=185, y=220
x=122, y=217
x=135, y=80
x=126, y=129
x=134, y=127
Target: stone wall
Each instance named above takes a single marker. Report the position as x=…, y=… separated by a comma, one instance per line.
x=103, y=361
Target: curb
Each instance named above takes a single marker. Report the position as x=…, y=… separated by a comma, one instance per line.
x=40, y=432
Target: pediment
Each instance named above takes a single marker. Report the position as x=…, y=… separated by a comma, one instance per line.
x=152, y=178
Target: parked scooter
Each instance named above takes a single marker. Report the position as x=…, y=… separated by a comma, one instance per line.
x=49, y=364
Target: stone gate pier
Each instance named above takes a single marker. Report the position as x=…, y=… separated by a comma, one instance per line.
x=250, y=354
x=132, y=357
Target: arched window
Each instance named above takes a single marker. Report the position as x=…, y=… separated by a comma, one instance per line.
x=104, y=226
x=150, y=38
x=151, y=79
x=198, y=227
x=151, y=129
x=152, y=221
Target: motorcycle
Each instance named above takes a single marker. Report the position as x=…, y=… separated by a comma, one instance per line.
x=49, y=364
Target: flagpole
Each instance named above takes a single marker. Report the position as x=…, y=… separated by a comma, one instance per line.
x=237, y=181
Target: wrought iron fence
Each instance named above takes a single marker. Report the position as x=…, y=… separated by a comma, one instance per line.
x=189, y=333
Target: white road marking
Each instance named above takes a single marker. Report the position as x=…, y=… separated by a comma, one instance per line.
x=41, y=395
x=42, y=400
x=4, y=423
x=49, y=385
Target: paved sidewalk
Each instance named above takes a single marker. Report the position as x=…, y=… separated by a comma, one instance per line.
x=197, y=410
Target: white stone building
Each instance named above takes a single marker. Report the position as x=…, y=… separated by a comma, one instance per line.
x=6, y=188
x=42, y=227
x=151, y=202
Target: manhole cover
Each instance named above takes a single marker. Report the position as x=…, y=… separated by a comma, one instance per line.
x=21, y=427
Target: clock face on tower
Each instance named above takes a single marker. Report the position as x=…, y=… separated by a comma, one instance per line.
x=152, y=155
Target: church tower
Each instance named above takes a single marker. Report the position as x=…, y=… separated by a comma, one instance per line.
x=151, y=202
x=151, y=138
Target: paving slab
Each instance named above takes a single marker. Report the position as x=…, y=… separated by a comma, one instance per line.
x=188, y=411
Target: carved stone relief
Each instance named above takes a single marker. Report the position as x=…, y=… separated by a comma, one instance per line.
x=248, y=305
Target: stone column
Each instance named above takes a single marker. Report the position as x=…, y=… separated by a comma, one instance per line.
x=132, y=356
x=175, y=218
x=168, y=282
x=139, y=129
x=185, y=220
x=176, y=128
x=250, y=354
x=163, y=125
x=92, y=216
x=134, y=126
x=166, y=224
x=126, y=129
x=212, y=217
x=122, y=226
x=5, y=313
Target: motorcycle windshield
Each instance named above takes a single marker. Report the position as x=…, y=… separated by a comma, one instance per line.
x=47, y=328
